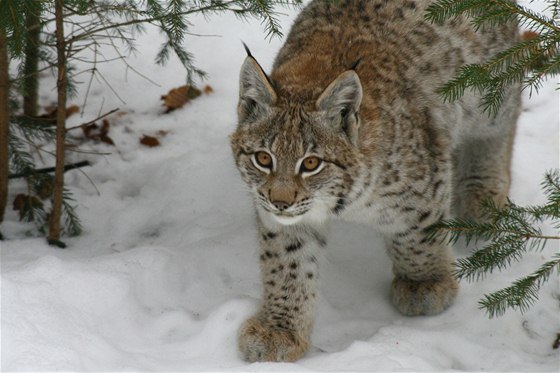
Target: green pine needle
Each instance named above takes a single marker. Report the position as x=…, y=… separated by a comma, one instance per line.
x=527, y=63
x=523, y=293
x=510, y=233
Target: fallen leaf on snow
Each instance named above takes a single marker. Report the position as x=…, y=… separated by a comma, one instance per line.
x=53, y=109
x=177, y=97
x=207, y=89
x=94, y=132
x=149, y=141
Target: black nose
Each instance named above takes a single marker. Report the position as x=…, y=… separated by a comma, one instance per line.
x=281, y=205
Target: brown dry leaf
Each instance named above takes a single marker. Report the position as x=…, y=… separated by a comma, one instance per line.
x=24, y=203
x=71, y=110
x=106, y=139
x=528, y=35
x=177, y=97
x=207, y=89
x=104, y=135
x=50, y=112
x=19, y=202
x=543, y=56
x=149, y=141
x=94, y=132
x=89, y=130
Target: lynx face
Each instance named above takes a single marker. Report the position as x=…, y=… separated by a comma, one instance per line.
x=297, y=162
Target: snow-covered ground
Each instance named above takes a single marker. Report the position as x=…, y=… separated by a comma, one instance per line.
x=167, y=268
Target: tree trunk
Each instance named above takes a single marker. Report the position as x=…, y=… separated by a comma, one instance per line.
x=31, y=64
x=4, y=123
x=61, y=84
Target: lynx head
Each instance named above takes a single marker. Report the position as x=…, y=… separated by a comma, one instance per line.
x=299, y=159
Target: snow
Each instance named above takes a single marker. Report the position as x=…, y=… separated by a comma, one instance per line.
x=167, y=268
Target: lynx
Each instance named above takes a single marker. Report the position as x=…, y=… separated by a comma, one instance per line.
x=349, y=125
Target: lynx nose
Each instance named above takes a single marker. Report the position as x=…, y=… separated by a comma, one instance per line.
x=281, y=205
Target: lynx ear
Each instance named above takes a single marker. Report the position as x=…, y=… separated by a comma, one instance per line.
x=341, y=101
x=255, y=91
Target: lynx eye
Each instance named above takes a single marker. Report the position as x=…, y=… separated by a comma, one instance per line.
x=310, y=164
x=263, y=159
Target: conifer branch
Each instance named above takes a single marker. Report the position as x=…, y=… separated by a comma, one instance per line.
x=528, y=62
x=522, y=293
x=509, y=235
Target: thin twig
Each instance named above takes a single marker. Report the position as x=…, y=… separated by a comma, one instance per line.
x=47, y=170
x=111, y=41
x=90, y=180
x=215, y=7
x=86, y=152
x=93, y=120
x=110, y=87
x=94, y=68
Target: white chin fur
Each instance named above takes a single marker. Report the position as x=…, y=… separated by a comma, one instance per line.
x=287, y=220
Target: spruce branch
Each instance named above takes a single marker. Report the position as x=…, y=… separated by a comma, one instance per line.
x=522, y=293
x=20, y=159
x=509, y=234
x=489, y=12
x=72, y=225
x=551, y=209
x=527, y=62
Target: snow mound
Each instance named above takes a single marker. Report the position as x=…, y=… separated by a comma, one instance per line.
x=167, y=269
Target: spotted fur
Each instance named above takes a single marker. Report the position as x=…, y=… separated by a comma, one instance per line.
x=355, y=86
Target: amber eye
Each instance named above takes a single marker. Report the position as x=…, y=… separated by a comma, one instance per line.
x=263, y=159
x=310, y=164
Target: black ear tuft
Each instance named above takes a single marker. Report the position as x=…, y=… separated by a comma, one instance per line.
x=355, y=64
x=247, y=49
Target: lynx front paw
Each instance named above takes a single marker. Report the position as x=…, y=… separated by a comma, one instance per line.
x=259, y=342
x=415, y=298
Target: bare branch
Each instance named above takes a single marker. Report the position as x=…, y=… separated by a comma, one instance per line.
x=93, y=120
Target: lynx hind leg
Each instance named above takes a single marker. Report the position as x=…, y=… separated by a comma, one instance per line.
x=423, y=297
x=424, y=282
x=482, y=165
x=483, y=173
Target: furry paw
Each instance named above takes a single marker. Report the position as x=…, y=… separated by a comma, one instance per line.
x=470, y=204
x=260, y=342
x=415, y=298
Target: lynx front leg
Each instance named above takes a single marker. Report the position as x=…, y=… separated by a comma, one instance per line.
x=281, y=328
x=423, y=283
